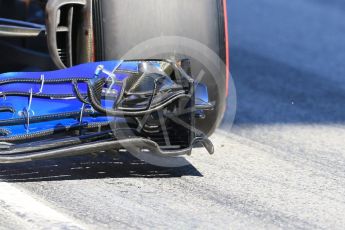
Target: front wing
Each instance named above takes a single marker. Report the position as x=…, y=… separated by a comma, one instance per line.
x=138, y=105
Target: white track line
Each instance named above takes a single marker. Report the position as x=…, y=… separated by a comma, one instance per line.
x=32, y=212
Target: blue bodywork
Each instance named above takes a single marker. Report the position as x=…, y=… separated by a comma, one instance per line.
x=44, y=106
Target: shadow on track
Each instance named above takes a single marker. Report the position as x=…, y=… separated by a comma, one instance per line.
x=89, y=167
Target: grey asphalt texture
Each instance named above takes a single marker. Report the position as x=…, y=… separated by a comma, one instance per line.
x=281, y=166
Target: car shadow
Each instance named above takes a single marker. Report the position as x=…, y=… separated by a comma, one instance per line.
x=105, y=165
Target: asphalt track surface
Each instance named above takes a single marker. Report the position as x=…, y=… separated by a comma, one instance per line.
x=282, y=165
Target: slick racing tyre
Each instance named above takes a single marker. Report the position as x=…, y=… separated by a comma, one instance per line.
x=120, y=25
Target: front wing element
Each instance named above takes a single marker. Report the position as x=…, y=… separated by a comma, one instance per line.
x=142, y=105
